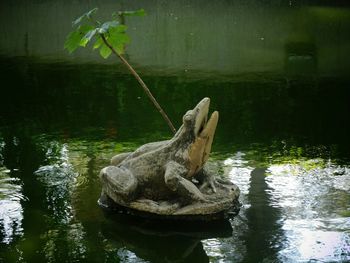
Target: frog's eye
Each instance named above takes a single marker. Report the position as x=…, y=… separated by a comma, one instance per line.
x=188, y=117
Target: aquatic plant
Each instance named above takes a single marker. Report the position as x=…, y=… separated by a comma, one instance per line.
x=110, y=37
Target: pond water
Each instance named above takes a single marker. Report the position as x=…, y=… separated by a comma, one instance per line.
x=284, y=144
x=283, y=136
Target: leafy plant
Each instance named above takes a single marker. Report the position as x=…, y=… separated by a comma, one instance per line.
x=108, y=37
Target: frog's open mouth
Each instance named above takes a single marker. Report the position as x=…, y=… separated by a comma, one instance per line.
x=204, y=131
x=202, y=127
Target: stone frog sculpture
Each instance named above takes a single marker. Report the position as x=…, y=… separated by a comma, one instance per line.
x=169, y=177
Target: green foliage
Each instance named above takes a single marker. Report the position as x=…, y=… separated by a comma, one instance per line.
x=75, y=37
x=345, y=213
x=87, y=38
x=87, y=15
x=88, y=30
x=140, y=12
x=118, y=38
x=108, y=25
x=122, y=14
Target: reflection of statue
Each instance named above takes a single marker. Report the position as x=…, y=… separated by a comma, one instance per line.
x=265, y=237
x=159, y=240
x=168, y=177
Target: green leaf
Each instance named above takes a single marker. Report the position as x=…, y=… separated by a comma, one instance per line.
x=72, y=41
x=107, y=25
x=87, y=37
x=74, y=38
x=105, y=51
x=119, y=29
x=114, y=32
x=118, y=39
x=87, y=15
x=120, y=43
x=98, y=43
x=140, y=12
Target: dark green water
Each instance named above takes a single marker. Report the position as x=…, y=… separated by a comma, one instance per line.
x=284, y=143
x=283, y=135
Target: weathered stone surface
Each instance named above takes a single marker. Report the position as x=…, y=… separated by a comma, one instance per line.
x=170, y=178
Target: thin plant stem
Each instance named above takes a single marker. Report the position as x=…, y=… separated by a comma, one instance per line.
x=143, y=85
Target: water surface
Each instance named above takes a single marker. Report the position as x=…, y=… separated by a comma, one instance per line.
x=284, y=144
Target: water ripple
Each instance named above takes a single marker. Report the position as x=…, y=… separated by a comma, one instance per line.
x=11, y=211
x=313, y=199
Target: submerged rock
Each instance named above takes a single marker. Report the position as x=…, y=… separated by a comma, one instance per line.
x=169, y=178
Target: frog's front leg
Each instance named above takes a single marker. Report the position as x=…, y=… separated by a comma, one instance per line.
x=207, y=180
x=175, y=181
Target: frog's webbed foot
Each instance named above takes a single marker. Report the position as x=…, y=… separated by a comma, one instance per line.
x=177, y=183
x=118, y=183
x=210, y=183
x=207, y=181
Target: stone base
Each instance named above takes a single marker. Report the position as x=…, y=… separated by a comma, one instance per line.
x=220, y=205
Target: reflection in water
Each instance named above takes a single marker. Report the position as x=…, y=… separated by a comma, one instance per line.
x=264, y=237
x=41, y=222
x=296, y=209
x=238, y=170
x=11, y=212
x=162, y=241
x=58, y=178
x=232, y=249
x=313, y=199
x=14, y=163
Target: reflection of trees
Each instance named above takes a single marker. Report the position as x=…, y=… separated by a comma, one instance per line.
x=162, y=241
x=92, y=100
x=23, y=157
x=11, y=212
x=48, y=234
x=264, y=237
x=253, y=107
